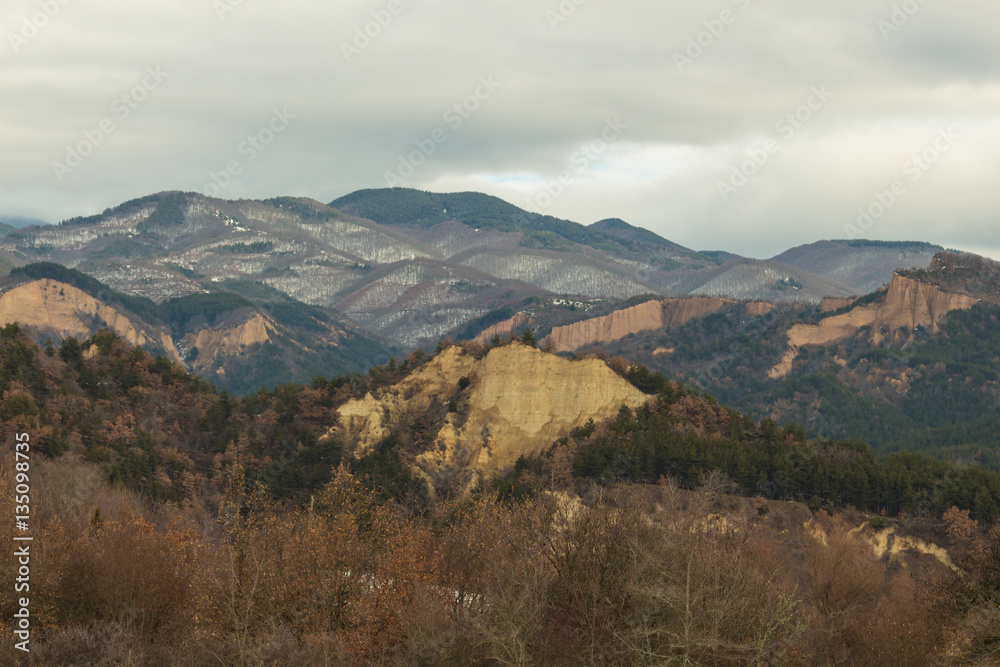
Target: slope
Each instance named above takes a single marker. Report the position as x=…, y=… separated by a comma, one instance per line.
x=226, y=338
x=862, y=265
x=485, y=413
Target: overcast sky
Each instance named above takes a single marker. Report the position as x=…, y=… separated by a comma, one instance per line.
x=671, y=115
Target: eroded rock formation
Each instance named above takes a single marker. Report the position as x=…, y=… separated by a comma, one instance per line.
x=63, y=311
x=652, y=315
x=906, y=305
x=518, y=401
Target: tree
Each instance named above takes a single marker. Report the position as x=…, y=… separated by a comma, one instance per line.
x=528, y=338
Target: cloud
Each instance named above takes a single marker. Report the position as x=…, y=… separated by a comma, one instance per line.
x=562, y=78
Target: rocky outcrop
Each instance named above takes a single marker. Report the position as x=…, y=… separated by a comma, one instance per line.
x=832, y=303
x=213, y=343
x=886, y=543
x=644, y=317
x=513, y=325
x=758, y=308
x=518, y=401
x=906, y=305
x=64, y=311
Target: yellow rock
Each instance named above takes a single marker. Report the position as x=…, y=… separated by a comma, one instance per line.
x=519, y=401
x=66, y=311
x=644, y=317
x=212, y=343
x=907, y=304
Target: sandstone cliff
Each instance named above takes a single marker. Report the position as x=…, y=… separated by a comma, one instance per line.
x=518, y=401
x=503, y=329
x=63, y=311
x=644, y=317
x=212, y=343
x=832, y=303
x=648, y=316
x=906, y=305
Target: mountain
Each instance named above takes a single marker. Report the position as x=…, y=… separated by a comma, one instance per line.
x=862, y=265
x=892, y=318
x=18, y=222
x=911, y=366
x=487, y=412
x=234, y=341
x=182, y=525
x=397, y=269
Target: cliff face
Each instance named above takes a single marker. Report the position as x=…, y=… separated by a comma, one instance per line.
x=832, y=303
x=64, y=311
x=519, y=400
x=649, y=316
x=644, y=317
x=212, y=343
x=906, y=305
x=503, y=329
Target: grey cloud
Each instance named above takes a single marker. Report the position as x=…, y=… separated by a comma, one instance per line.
x=687, y=129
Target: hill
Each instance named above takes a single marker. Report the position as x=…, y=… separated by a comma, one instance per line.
x=862, y=265
x=171, y=523
x=910, y=366
x=17, y=222
x=403, y=269
x=231, y=340
x=480, y=415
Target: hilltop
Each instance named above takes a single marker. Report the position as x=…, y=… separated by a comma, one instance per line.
x=237, y=342
x=163, y=503
x=911, y=366
x=404, y=266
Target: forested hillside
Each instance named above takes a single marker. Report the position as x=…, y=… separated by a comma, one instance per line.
x=177, y=525
x=241, y=337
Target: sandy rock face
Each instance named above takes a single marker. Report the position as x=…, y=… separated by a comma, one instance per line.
x=906, y=305
x=503, y=329
x=212, y=343
x=644, y=317
x=66, y=311
x=518, y=402
x=832, y=303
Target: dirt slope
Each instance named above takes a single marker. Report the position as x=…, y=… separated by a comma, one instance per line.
x=212, y=343
x=907, y=304
x=644, y=317
x=63, y=310
x=519, y=400
x=504, y=329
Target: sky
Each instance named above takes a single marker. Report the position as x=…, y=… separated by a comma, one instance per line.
x=739, y=125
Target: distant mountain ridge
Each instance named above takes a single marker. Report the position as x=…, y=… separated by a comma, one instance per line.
x=17, y=221
x=407, y=268
x=862, y=265
x=234, y=341
x=912, y=366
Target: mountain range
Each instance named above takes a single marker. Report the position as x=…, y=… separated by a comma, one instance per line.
x=410, y=267
x=254, y=293
x=571, y=421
